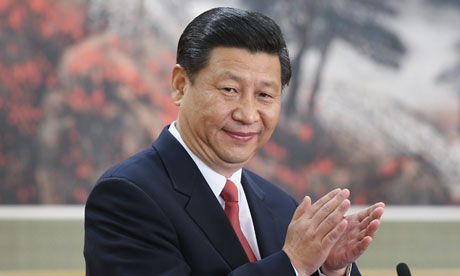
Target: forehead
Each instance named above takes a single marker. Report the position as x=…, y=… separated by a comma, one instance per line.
x=238, y=63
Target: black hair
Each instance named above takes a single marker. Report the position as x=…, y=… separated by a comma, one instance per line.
x=230, y=27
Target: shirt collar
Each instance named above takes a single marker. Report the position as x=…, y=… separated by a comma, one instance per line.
x=215, y=180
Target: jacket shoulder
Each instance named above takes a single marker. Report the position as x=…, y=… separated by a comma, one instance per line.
x=138, y=168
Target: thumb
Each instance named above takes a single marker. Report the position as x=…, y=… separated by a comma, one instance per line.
x=302, y=208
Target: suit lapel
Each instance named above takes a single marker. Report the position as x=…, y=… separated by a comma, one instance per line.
x=214, y=223
x=202, y=206
x=264, y=220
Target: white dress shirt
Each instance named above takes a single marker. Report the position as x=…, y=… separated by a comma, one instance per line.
x=217, y=182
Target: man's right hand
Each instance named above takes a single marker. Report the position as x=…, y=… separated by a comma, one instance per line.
x=315, y=229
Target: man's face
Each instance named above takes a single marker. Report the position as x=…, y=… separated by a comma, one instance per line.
x=232, y=107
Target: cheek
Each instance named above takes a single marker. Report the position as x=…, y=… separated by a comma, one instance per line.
x=197, y=104
x=218, y=110
x=209, y=118
x=270, y=118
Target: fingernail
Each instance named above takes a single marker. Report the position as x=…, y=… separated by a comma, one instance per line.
x=345, y=203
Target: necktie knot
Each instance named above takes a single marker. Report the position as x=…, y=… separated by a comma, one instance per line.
x=230, y=192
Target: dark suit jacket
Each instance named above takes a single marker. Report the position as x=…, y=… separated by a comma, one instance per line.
x=154, y=214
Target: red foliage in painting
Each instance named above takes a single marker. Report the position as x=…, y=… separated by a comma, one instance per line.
x=80, y=194
x=305, y=133
x=75, y=99
x=83, y=171
x=391, y=168
x=360, y=199
x=33, y=34
x=4, y=4
x=275, y=151
x=322, y=166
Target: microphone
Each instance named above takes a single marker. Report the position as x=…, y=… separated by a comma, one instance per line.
x=403, y=270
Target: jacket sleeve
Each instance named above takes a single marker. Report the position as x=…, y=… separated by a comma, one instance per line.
x=127, y=233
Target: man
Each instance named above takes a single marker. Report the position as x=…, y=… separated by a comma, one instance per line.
x=185, y=206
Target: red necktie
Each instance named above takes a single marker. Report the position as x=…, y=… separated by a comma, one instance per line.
x=230, y=195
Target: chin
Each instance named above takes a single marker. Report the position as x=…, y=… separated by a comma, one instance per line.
x=237, y=159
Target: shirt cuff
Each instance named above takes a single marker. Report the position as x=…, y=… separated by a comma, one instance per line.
x=347, y=273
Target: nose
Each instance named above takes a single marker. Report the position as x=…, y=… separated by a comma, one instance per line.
x=247, y=110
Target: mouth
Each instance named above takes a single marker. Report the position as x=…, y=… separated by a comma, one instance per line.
x=241, y=136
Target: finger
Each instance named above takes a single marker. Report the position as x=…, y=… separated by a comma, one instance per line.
x=302, y=208
x=328, y=223
x=333, y=236
x=365, y=213
x=330, y=207
x=372, y=228
x=368, y=211
x=360, y=247
x=320, y=202
x=375, y=215
x=370, y=231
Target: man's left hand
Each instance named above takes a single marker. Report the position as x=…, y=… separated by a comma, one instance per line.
x=357, y=237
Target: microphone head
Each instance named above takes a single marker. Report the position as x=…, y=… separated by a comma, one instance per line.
x=403, y=270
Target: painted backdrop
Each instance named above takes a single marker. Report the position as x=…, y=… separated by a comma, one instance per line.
x=373, y=104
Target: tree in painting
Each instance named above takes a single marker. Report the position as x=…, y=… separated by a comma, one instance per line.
x=313, y=25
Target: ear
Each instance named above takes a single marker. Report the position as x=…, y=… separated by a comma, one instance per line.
x=179, y=83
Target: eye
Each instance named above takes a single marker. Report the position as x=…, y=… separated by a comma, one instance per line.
x=265, y=95
x=229, y=90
